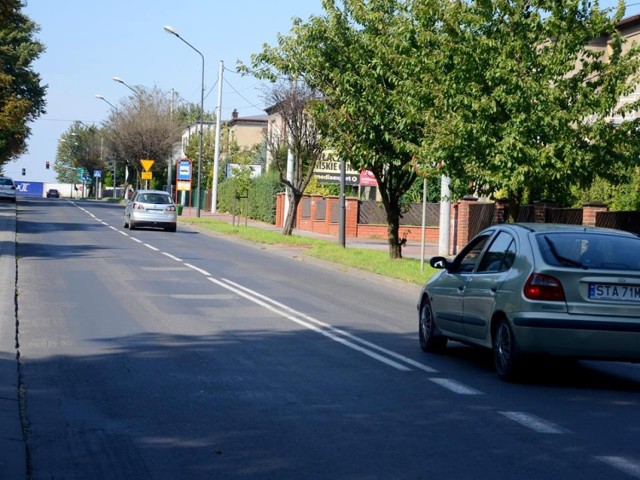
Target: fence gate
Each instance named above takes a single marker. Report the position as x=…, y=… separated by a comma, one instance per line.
x=480, y=217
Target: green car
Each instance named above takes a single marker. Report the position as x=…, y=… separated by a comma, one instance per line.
x=532, y=289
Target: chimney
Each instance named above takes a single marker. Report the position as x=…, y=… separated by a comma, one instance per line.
x=234, y=114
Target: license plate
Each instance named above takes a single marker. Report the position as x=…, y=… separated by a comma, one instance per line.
x=617, y=292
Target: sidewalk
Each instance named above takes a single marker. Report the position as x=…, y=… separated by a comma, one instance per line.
x=412, y=249
x=13, y=458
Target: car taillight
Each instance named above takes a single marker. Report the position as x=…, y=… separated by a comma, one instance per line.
x=544, y=287
x=138, y=206
x=171, y=208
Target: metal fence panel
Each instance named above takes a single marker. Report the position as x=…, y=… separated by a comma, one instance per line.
x=628, y=221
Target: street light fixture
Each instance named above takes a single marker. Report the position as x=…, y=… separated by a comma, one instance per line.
x=173, y=31
x=119, y=80
x=100, y=97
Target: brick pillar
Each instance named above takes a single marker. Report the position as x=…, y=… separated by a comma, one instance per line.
x=351, y=217
x=462, y=220
x=589, y=213
x=500, y=211
x=280, y=210
x=540, y=210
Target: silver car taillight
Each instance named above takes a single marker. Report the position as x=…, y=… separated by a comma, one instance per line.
x=544, y=287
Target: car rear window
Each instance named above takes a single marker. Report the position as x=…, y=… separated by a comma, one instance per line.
x=155, y=198
x=590, y=250
x=6, y=181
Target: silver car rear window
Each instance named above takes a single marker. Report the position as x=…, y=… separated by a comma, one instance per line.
x=590, y=250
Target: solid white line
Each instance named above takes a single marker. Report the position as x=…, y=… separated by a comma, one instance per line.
x=173, y=257
x=623, y=464
x=455, y=386
x=534, y=423
x=152, y=247
x=373, y=346
x=204, y=272
x=330, y=335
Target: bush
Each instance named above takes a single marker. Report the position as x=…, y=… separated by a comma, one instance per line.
x=261, y=198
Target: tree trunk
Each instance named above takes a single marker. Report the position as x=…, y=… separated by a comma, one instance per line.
x=289, y=222
x=393, y=232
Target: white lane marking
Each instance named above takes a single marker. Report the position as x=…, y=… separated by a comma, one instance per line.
x=534, y=423
x=625, y=465
x=172, y=257
x=332, y=336
x=204, y=272
x=373, y=346
x=152, y=247
x=122, y=233
x=136, y=239
x=113, y=228
x=455, y=386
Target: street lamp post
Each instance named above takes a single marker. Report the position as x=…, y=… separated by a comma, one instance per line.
x=98, y=96
x=173, y=31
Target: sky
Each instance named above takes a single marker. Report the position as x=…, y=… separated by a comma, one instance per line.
x=89, y=42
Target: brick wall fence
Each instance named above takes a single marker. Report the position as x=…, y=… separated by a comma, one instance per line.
x=468, y=217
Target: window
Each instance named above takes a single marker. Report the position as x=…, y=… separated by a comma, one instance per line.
x=466, y=261
x=500, y=254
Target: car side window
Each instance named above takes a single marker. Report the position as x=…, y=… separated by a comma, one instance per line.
x=499, y=256
x=466, y=261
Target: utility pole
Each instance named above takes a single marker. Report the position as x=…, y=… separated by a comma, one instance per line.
x=216, y=157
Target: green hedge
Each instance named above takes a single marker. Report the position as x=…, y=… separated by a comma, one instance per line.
x=261, y=199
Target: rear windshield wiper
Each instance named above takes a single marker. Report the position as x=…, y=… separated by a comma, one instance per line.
x=569, y=262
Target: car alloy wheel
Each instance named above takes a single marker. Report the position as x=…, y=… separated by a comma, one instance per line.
x=429, y=341
x=505, y=351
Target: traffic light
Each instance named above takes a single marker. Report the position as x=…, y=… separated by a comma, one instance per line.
x=24, y=171
x=47, y=165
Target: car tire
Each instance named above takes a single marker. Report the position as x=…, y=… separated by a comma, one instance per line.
x=506, y=356
x=170, y=229
x=126, y=225
x=131, y=225
x=429, y=340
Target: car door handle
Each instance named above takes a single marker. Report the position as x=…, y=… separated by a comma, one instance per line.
x=461, y=288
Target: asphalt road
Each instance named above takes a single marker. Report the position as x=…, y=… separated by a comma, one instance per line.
x=149, y=354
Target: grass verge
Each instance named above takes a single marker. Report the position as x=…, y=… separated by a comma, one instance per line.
x=407, y=269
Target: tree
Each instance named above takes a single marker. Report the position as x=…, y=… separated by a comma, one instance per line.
x=143, y=127
x=22, y=96
x=361, y=56
x=81, y=146
x=526, y=98
x=298, y=134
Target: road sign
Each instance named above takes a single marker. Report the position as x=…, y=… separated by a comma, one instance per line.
x=147, y=164
x=183, y=169
x=97, y=173
x=146, y=175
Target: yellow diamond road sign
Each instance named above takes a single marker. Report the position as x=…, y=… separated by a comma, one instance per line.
x=147, y=164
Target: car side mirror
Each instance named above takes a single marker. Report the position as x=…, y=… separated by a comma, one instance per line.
x=439, y=263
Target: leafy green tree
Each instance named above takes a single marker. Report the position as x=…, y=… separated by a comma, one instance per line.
x=361, y=56
x=81, y=146
x=526, y=95
x=22, y=95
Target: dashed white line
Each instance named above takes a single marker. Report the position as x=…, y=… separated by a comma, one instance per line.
x=172, y=257
x=455, y=386
x=136, y=240
x=152, y=247
x=625, y=465
x=532, y=422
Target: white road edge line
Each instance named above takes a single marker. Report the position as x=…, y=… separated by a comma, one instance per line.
x=534, y=423
x=373, y=346
x=623, y=464
x=336, y=338
x=204, y=272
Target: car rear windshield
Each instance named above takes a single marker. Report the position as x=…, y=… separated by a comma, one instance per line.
x=590, y=250
x=6, y=181
x=155, y=198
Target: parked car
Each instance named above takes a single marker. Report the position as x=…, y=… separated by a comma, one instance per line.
x=7, y=189
x=525, y=290
x=53, y=193
x=151, y=208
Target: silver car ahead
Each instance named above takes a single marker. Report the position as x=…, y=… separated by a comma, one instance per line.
x=151, y=208
x=537, y=289
x=7, y=189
